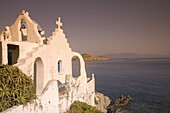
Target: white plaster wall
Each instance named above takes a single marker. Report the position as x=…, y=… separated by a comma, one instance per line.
x=59, y=50
x=91, y=91
x=4, y=53
x=28, y=68
x=1, y=36
x=63, y=105
x=32, y=32
x=24, y=47
x=46, y=103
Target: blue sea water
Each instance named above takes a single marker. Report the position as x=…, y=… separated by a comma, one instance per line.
x=147, y=81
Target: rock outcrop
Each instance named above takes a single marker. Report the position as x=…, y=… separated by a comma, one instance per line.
x=120, y=105
x=102, y=102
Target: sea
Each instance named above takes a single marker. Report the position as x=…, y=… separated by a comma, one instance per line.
x=147, y=81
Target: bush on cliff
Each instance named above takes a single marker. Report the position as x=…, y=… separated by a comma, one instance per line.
x=81, y=107
x=15, y=87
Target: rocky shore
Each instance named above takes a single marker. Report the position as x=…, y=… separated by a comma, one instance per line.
x=102, y=102
x=120, y=105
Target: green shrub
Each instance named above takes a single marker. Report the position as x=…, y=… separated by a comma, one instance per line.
x=15, y=87
x=81, y=107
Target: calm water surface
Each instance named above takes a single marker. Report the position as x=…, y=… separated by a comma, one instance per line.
x=146, y=80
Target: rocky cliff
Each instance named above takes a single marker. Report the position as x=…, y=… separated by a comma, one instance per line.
x=102, y=102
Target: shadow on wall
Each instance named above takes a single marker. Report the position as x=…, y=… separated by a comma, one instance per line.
x=38, y=75
x=75, y=67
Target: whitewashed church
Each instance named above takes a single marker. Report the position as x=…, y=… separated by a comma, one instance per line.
x=49, y=62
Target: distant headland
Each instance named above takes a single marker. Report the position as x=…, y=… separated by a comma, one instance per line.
x=135, y=55
x=90, y=57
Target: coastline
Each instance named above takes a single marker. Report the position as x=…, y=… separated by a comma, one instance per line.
x=134, y=77
x=89, y=57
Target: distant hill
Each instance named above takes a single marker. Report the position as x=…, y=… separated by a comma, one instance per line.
x=134, y=55
x=89, y=57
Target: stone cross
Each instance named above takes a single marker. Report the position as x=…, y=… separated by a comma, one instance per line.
x=59, y=23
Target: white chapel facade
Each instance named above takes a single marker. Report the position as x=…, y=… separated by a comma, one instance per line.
x=48, y=61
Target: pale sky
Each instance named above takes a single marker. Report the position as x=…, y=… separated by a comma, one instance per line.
x=100, y=26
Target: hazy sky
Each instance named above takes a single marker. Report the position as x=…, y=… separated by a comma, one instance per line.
x=100, y=26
